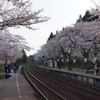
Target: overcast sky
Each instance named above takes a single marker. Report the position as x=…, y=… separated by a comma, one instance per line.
x=62, y=13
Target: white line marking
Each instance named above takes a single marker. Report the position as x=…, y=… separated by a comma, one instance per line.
x=18, y=88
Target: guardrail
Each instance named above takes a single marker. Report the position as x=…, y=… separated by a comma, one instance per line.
x=84, y=78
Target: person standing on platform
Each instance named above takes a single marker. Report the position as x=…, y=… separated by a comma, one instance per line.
x=10, y=71
x=6, y=72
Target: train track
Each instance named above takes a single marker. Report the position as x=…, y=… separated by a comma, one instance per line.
x=46, y=92
x=68, y=89
x=88, y=88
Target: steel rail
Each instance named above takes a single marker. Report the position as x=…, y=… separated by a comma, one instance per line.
x=80, y=85
x=35, y=86
x=62, y=98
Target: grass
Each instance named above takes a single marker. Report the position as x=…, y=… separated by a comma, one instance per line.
x=73, y=69
x=1, y=76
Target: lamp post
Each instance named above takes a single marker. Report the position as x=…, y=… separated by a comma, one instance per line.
x=58, y=63
x=62, y=60
x=85, y=61
x=95, y=59
x=67, y=60
x=57, y=60
x=74, y=61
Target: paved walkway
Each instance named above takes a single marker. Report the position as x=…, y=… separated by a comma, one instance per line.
x=16, y=88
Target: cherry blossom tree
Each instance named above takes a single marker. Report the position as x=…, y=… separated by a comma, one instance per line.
x=66, y=40
x=88, y=43
x=11, y=46
x=18, y=13
x=62, y=46
x=83, y=39
x=89, y=37
x=48, y=52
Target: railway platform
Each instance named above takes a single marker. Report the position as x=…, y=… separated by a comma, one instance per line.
x=16, y=88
